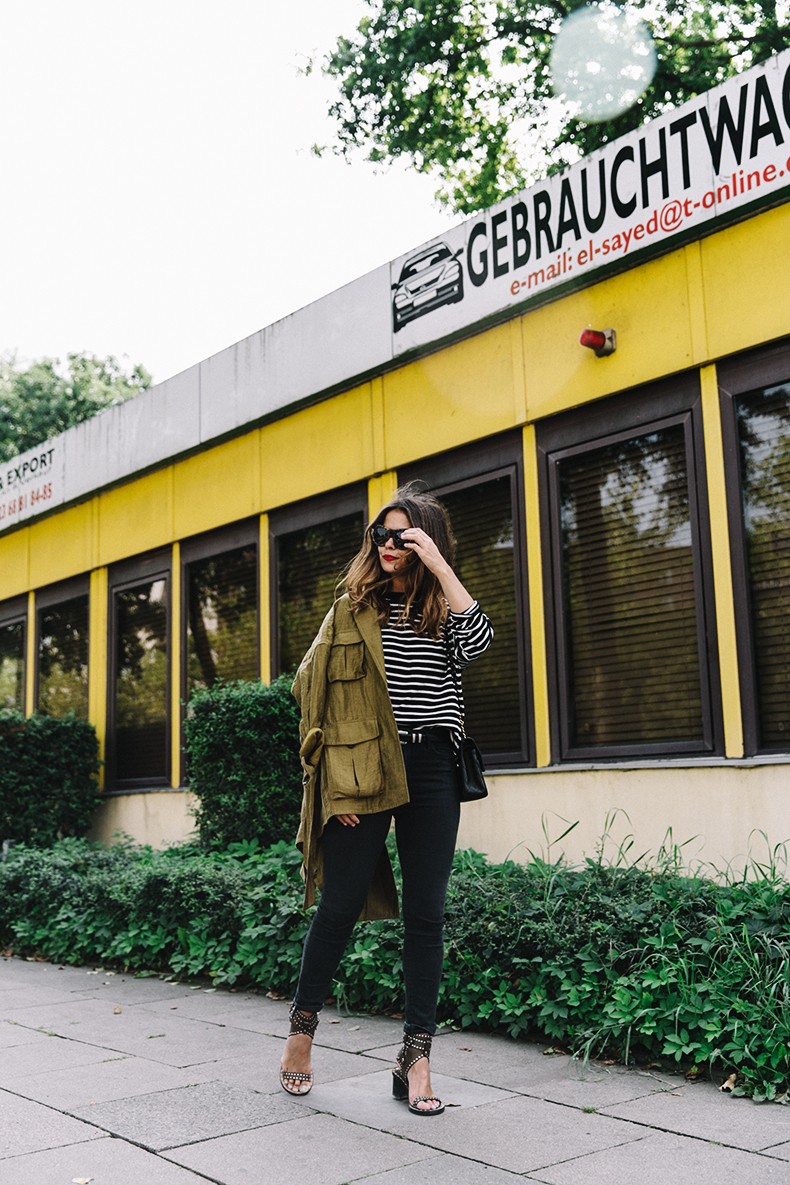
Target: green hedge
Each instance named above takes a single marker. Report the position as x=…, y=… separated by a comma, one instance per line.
x=48, y=771
x=242, y=744
x=599, y=959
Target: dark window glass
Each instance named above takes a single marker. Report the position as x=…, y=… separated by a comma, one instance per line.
x=309, y=564
x=12, y=665
x=222, y=618
x=482, y=517
x=763, y=419
x=63, y=658
x=632, y=661
x=140, y=691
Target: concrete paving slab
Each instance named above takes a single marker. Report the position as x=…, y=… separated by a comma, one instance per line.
x=30, y=1127
x=255, y=1013
x=354, y=1033
x=521, y=1135
x=13, y=970
x=780, y=1151
x=577, y=1086
x=259, y=1071
x=136, y=1031
x=128, y=989
x=368, y=1100
x=103, y=1162
x=48, y=1056
x=172, y=1118
x=12, y=1035
x=444, y=1169
x=310, y=1150
x=19, y=997
x=121, y=1077
x=523, y=1068
x=701, y=1110
x=666, y=1160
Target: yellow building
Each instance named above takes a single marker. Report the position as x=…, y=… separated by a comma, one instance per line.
x=623, y=515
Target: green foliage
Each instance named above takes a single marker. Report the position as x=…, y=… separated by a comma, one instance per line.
x=48, y=771
x=41, y=400
x=461, y=88
x=243, y=759
x=605, y=960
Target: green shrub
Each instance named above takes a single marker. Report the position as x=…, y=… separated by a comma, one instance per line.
x=48, y=771
x=603, y=960
x=243, y=758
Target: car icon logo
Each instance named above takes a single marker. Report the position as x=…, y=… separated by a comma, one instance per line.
x=428, y=279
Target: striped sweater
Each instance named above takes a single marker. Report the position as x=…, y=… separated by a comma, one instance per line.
x=420, y=680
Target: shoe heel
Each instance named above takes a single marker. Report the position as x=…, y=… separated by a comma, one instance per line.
x=399, y=1091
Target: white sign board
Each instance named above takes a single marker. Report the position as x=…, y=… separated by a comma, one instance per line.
x=702, y=164
x=31, y=484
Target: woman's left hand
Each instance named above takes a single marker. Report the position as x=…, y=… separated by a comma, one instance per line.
x=424, y=547
x=421, y=544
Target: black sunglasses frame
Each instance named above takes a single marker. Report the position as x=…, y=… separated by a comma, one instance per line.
x=380, y=534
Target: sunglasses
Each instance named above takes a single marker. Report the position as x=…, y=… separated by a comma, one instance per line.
x=380, y=535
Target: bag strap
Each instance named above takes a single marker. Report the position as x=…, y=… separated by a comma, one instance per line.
x=456, y=677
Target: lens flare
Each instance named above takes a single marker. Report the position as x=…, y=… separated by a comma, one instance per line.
x=602, y=60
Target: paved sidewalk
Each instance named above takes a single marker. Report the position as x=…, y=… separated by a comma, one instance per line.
x=113, y=1080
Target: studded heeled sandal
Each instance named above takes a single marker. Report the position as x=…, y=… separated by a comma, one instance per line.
x=302, y=1024
x=415, y=1046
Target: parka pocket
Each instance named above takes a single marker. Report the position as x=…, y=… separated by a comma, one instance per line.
x=346, y=658
x=352, y=759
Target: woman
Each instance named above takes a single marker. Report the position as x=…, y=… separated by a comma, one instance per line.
x=381, y=707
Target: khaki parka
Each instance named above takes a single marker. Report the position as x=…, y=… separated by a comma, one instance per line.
x=351, y=755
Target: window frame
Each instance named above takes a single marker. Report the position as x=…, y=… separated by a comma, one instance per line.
x=124, y=575
x=56, y=594
x=461, y=468
x=13, y=612
x=740, y=375
x=309, y=512
x=672, y=401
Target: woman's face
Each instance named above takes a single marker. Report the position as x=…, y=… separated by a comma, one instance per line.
x=394, y=561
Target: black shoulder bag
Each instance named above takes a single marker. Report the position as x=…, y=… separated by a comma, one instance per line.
x=471, y=783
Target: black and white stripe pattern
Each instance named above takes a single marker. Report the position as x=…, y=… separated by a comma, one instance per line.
x=420, y=681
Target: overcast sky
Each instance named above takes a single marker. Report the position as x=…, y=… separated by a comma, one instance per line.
x=159, y=199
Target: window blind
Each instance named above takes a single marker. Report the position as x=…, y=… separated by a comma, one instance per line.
x=763, y=419
x=140, y=683
x=482, y=518
x=222, y=618
x=632, y=665
x=310, y=562
x=12, y=665
x=63, y=658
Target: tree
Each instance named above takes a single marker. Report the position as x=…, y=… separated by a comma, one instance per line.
x=461, y=88
x=44, y=398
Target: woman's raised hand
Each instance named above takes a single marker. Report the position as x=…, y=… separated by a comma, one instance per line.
x=416, y=540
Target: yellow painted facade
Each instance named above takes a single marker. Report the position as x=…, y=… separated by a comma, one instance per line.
x=685, y=310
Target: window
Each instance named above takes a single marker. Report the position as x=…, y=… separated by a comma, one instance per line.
x=62, y=650
x=138, y=734
x=629, y=577
x=13, y=617
x=220, y=613
x=756, y=406
x=312, y=543
x=481, y=488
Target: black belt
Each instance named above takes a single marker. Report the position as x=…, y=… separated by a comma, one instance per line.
x=433, y=732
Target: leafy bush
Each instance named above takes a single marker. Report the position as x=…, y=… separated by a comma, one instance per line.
x=48, y=771
x=602, y=959
x=243, y=758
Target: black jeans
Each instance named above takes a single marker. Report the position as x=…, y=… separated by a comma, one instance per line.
x=425, y=831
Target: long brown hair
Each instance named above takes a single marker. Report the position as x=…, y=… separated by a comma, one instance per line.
x=367, y=585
